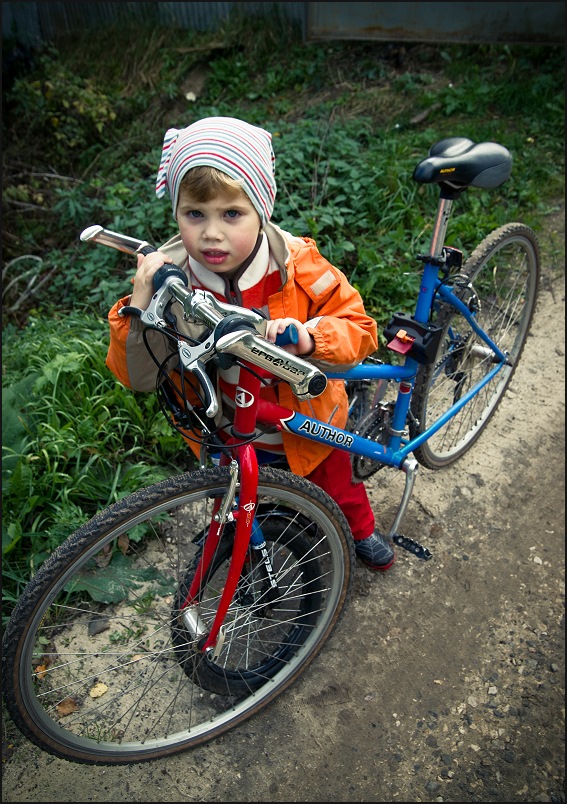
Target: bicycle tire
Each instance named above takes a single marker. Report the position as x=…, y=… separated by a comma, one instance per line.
x=148, y=706
x=285, y=537
x=504, y=272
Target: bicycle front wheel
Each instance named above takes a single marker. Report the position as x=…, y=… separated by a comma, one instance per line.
x=100, y=664
x=504, y=273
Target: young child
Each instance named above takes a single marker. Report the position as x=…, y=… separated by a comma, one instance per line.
x=219, y=173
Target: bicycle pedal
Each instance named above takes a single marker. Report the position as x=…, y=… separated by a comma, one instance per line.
x=418, y=550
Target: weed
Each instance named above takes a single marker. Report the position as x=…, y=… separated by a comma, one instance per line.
x=128, y=634
x=144, y=603
x=73, y=439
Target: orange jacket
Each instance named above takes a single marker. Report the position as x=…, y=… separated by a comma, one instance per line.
x=313, y=291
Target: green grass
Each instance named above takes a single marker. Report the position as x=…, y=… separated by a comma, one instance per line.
x=82, y=133
x=73, y=439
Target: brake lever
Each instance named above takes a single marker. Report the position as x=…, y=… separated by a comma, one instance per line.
x=214, y=311
x=97, y=234
x=153, y=315
x=191, y=359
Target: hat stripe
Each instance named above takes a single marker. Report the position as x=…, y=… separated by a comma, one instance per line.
x=171, y=136
x=222, y=152
x=242, y=151
x=225, y=165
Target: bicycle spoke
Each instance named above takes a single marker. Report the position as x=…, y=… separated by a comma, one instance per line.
x=503, y=273
x=137, y=684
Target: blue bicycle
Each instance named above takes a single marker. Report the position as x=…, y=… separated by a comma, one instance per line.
x=178, y=612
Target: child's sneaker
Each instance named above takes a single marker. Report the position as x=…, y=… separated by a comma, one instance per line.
x=376, y=552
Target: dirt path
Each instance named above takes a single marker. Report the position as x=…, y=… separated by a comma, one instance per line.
x=445, y=680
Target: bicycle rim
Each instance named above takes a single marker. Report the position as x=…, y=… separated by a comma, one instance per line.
x=504, y=272
x=94, y=669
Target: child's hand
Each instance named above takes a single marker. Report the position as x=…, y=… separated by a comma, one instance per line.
x=305, y=342
x=143, y=280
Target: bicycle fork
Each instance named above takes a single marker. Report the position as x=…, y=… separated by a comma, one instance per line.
x=226, y=510
x=237, y=505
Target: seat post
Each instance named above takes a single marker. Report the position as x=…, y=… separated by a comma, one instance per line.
x=434, y=259
x=440, y=227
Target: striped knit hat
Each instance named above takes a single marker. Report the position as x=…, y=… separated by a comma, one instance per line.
x=242, y=151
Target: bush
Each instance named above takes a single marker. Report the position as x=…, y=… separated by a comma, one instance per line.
x=61, y=111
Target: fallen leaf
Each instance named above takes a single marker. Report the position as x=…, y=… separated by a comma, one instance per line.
x=98, y=690
x=40, y=671
x=103, y=558
x=67, y=706
x=123, y=543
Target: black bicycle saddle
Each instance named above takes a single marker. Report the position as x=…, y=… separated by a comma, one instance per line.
x=456, y=163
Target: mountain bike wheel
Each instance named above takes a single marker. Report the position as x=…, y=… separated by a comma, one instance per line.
x=504, y=273
x=250, y=662
x=98, y=664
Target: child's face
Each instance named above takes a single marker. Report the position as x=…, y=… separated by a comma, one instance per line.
x=220, y=234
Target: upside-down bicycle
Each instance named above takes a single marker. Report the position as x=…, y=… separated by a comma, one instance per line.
x=226, y=582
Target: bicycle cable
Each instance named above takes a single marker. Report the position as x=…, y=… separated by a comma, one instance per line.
x=182, y=415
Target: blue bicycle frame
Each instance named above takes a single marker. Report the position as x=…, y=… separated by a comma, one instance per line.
x=398, y=448
x=396, y=452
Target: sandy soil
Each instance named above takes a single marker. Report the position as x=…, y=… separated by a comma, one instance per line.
x=445, y=679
